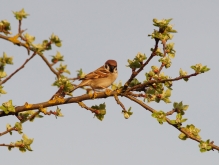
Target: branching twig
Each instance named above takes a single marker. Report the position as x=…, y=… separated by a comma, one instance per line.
x=28, y=49
x=150, y=82
x=181, y=129
x=48, y=64
x=49, y=104
x=135, y=73
x=21, y=67
x=31, y=117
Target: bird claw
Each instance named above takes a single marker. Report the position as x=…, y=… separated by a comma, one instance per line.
x=108, y=92
x=92, y=95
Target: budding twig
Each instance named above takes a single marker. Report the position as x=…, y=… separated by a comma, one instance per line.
x=21, y=67
x=119, y=102
x=135, y=73
x=88, y=108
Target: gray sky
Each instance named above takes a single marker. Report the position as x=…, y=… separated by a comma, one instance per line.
x=92, y=32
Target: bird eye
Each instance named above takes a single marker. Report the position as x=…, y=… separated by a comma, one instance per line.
x=106, y=66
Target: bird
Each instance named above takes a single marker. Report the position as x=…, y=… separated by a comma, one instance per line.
x=101, y=78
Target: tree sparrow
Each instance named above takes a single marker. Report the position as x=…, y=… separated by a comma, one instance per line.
x=101, y=78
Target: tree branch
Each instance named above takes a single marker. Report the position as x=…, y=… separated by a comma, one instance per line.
x=88, y=108
x=28, y=49
x=12, y=145
x=119, y=102
x=150, y=82
x=164, y=52
x=134, y=74
x=21, y=67
x=51, y=104
x=181, y=129
x=8, y=130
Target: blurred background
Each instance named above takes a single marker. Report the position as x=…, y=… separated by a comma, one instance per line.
x=92, y=32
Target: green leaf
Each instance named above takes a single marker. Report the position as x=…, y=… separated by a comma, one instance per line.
x=185, y=107
x=127, y=114
x=19, y=128
x=116, y=86
x=182, y=136
x=160, y=116
x=7, y=107
x=55, y=39
x=175, y=104
x=58, y=112
x=19, y=15
x=57, y=57
x=64, y=82
x=63, y=69
x=2, y=91
x=134, y=82
x=29, y=38
x=102, y=111
x=134, y=64
x=2, y=74
x=5, y=27
x=205, y=146
x=58, y=44
x=140, y=57
x=168, y=93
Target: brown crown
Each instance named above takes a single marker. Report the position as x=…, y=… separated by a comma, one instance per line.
x=111, y=62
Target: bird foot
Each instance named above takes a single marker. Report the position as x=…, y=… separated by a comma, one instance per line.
x=92, y=95
x=108, y=92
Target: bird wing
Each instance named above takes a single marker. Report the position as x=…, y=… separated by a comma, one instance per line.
x=99, y=73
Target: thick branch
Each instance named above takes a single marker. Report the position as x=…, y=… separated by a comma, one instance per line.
x=49, y=104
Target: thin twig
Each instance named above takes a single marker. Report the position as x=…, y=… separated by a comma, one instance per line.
x=12, y=145
x=21, y=67
x=48, y=64
x=136, y=94
x=88, y=108
x=150, y=82
x=19, y=26
x=31, y=117
x=135, y=73
x=170, y=112
x=8, y=130
x=119, y=102
x=28, y=49
x=164, y=52
x=181, y=129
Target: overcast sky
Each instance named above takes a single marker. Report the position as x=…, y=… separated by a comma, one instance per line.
x=92, y=32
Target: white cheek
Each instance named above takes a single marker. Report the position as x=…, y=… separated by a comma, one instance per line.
x=106, y=67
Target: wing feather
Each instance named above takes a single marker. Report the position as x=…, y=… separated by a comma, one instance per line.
x=99, y=73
